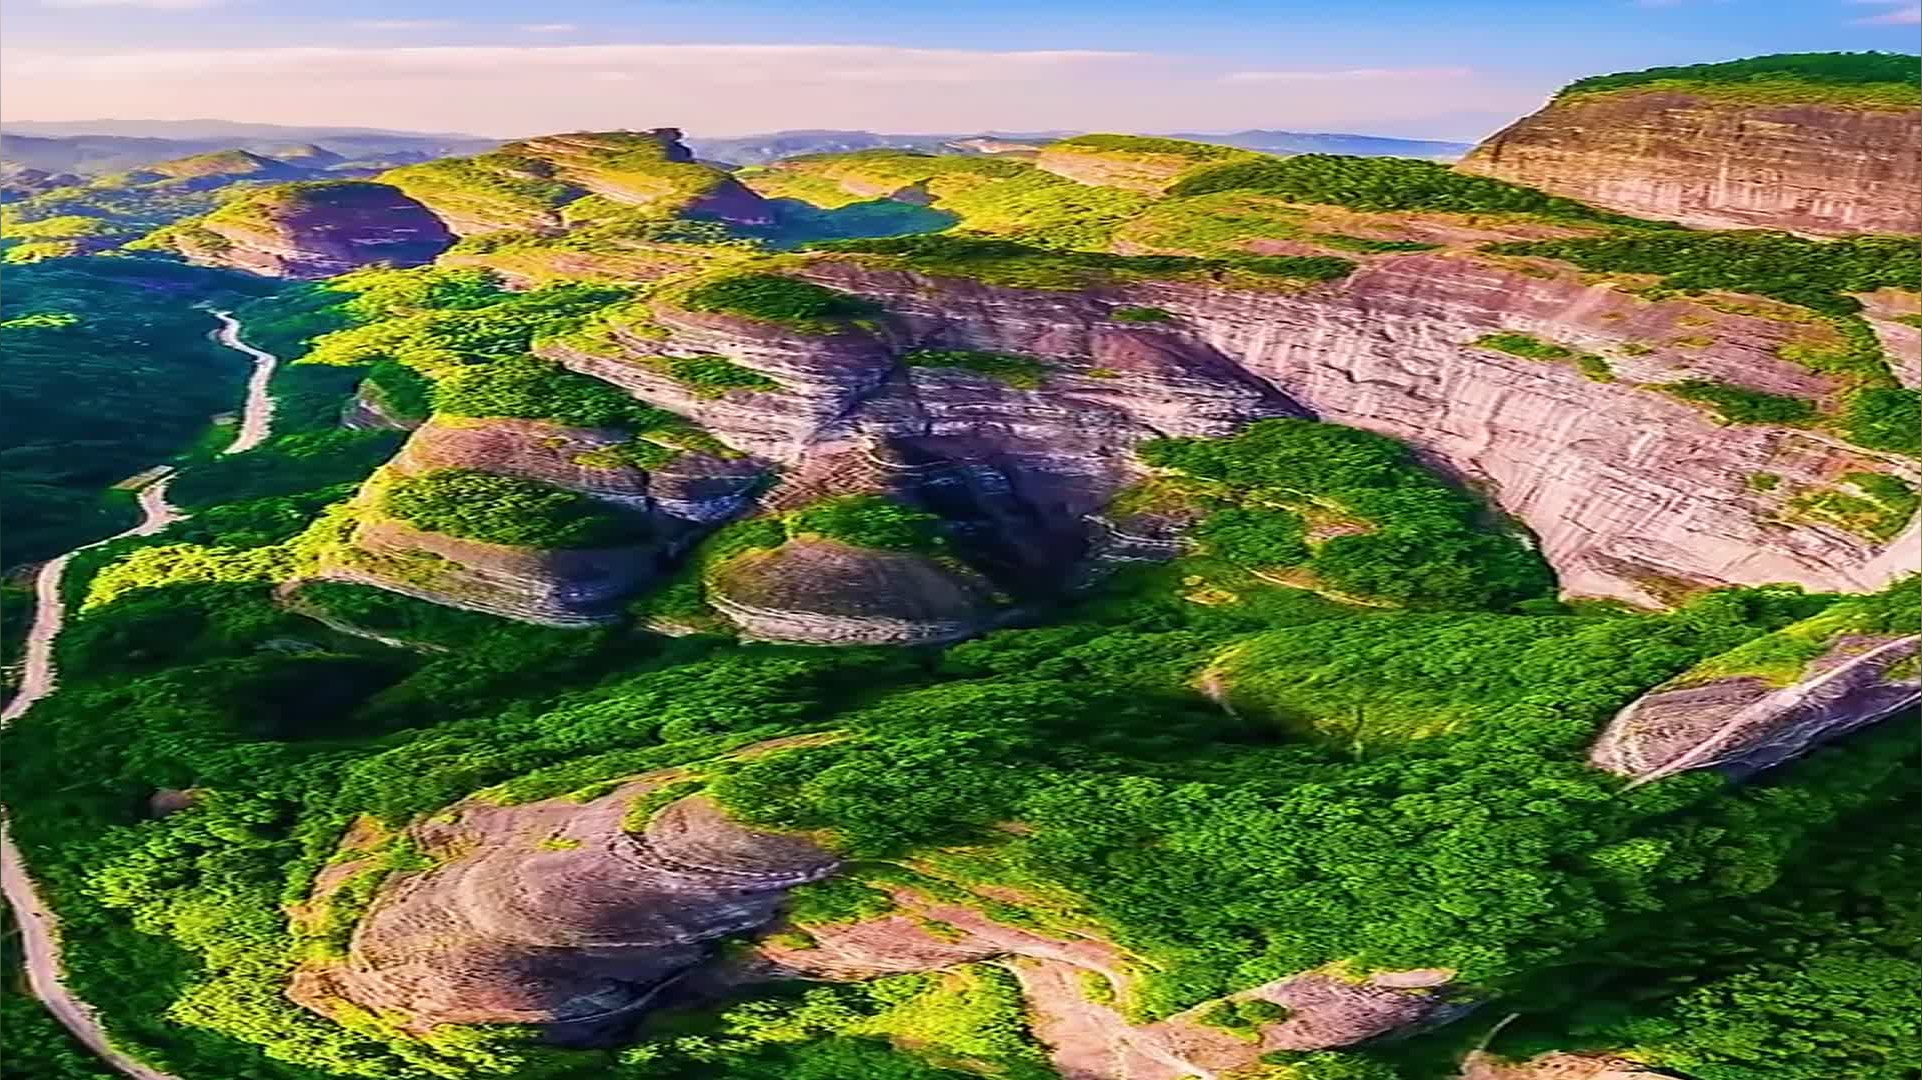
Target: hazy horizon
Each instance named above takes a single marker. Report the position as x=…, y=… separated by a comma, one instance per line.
x=1451, y=70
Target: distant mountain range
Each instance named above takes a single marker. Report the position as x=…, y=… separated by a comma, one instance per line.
x=773, y=146
x=90, y=147
x=93, y=147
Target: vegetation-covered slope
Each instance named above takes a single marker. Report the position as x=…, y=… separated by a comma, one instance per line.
x=1300, y=711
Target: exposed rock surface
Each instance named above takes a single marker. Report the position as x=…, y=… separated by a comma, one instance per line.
x=1089, y=1039
x=1133, y=170
x=825, y=592
x=578, y=587
x=315, y=231
x=1742, y=724
x=552, y=913
x=1810, y=168
x=366, y=411
x=1633, y=493
x=574, y=587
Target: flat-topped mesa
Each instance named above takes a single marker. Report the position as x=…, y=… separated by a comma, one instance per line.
x=1774, y=699
x=1738, y=145
x=559, y=913
x=1132, y=162
x=554, y=182
x=310, y=230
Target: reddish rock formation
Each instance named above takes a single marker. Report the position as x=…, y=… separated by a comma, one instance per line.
x=538, y=184
x=579, y=587
x=553, y=913
x=1090, y=1039
x=313, y=230
x=1742, y=724
x=1810, y=168
x=828, y=593
x=1633, y=493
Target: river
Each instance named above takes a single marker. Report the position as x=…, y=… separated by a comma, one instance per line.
x=39, y=930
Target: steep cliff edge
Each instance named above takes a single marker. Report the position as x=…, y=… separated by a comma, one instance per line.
x=310, y=230
x=1632, y=492
x=555, y=912
x=556, y=182
x=1780, y=150
x=1773, y=699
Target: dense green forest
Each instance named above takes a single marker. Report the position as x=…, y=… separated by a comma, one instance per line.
x=1344, y=728
x=109, y=370
x=1875, y=77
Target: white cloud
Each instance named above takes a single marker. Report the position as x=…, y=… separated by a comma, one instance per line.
x=548, y=27
x=1349, y=75
x=400, y=24
x=152, y=5
x=719, y=89
x=1900, y=13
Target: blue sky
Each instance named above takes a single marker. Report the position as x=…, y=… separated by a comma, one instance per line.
x=1442, y=68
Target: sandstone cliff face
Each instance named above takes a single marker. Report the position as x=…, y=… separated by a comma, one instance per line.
x=1821, y=169
x=553, y=913
x=1133, y=171
x=1632, y=493
x=1742, y=724
x=578, y=587
x=313, y=231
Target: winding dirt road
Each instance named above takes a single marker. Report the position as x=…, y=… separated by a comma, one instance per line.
x=257, y=417
x=39, y=930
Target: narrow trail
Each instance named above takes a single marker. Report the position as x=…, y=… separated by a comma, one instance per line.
x=39, y=929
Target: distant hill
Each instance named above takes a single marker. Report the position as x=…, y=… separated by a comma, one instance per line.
x=774, y=146
x=107, y=146
x=1297, y=142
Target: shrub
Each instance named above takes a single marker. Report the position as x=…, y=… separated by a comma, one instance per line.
x=531, y=389
x=1815, y=274
x=1141, y=315
x=1864, y=76
x=1886, y=419
x=1380, y=184
x=801, y=305
x=1740, y=405
x=508, y=510
x=1020, y=372
x=869, y=521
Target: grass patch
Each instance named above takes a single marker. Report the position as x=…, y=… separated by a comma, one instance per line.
x=1740, y=405
x=1020, y=372
x=798, y=305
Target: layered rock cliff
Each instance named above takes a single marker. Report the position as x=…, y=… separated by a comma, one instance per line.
x=1704, y=158
x=311, y=231
x=576, y=916
x=557, y=913
x=1632, y=493
x=562, y=587
x=1772, y=700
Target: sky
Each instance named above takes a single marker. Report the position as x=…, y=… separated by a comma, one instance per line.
x=1449, y=69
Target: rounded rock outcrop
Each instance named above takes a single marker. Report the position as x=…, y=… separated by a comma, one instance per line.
x=820, y=591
